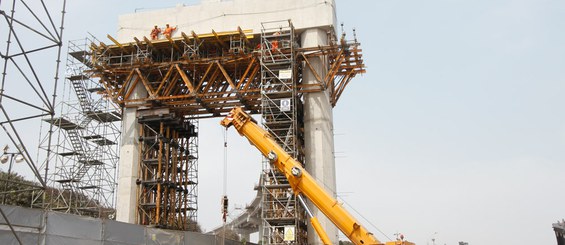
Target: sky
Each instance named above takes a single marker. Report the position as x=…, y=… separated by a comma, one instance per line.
x=456, y=132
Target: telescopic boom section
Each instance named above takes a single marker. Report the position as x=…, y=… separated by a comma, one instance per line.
x=300, y=180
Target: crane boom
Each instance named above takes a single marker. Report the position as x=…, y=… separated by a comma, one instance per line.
x=299, y=179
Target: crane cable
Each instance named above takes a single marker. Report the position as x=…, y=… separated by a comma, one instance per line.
x=225, y=189
x=225, y=162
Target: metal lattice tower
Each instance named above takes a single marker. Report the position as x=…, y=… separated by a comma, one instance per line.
x=85, y=148
x=31, y=33
x=280, y=110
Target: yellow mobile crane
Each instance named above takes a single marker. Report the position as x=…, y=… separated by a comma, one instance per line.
x=302, y=182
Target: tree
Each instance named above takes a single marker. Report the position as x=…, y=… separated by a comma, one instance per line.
x=229, y=234
x=17, y=191
x=192, y=225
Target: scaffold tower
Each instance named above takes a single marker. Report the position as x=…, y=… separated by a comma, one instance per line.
x=85, y=145
x=168, y=173
x=283, y=218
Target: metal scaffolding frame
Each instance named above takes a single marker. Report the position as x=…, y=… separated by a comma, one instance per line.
x=86, y=147
x=206, y=75
x=168, y=175
x=28, y=91
x=283, y=217
x=31, y=32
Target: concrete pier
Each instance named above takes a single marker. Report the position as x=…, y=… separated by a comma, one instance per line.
x=129, y=161
x=318, y=132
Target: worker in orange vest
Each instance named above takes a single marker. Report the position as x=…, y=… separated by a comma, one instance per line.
x=169, y=31
x=275, y=43
x=155, y=33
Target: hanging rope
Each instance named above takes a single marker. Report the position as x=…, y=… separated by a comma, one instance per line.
x=225, y=162
x=225, y=196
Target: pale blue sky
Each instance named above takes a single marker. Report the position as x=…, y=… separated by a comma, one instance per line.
x=457, y=127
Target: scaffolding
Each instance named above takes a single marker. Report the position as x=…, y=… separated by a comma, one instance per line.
x=168, y=174
x=196, y=76
x=28, y=84
x=86, y=140
x=281, y=110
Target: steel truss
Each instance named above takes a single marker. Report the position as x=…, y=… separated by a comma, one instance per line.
x=207, y=75
x=32, y=33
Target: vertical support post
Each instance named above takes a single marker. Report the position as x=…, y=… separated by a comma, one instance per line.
x=129, y=161
x=318, y=132
x=159, y=175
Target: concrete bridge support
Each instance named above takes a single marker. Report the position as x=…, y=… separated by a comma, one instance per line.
x=318, y=131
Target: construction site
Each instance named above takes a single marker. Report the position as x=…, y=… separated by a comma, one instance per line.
x=103, y=139
x=122, y=141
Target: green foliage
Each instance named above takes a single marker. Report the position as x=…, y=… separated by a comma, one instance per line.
x=17, y=191
x=193, y=226
x=229, y=234
x=24, y=193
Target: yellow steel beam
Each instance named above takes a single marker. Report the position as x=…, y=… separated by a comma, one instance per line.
x=145, y=83
x=172, y=84
x=212, y=80
x=195, y=36
x=131, y=88
x=174, y=44
x=252, y=78
x=185, y=37
x=127, y=81
x=334, y=69
x=242, y=35
x=226, y=75
x=186, y=79
x=218, y=40
x=139, y=44
x=103, y=45
x=148, y=42
x=242, y=79
x=165, y=78
x=318, y=78
x=204, y=76
x=115, y=42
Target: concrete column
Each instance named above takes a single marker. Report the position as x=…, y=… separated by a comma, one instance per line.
x=318, y=136
x=129, y=160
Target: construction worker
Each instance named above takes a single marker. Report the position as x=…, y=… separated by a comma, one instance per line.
x=275, y=43
x=155, y=33
x=169, y=31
